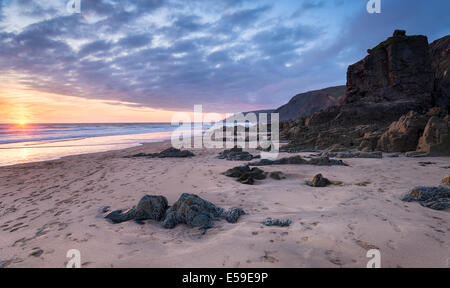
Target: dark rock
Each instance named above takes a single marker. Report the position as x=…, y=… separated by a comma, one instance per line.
x=245, y=174
x=236, y=154
x=277, y=222
x=297, y=160
x=319, y=181
x=118, y=216
x=436, y=198
x=167, y=153
x=197, y=212
x=37, y=253
x=355, y=154
x=149, y=208
x=440, y=61
x=277, y=175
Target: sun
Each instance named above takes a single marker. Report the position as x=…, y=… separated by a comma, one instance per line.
x=22, y=122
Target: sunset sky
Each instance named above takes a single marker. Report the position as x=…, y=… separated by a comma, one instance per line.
x=142, y=61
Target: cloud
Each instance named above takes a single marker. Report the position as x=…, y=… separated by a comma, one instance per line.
x=226, y=55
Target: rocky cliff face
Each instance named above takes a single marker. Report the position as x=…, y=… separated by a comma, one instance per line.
x=305, y=104
x=397, y=70
x=399, y=75
x=440, y=62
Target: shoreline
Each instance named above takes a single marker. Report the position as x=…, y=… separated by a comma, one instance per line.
x=55, y=206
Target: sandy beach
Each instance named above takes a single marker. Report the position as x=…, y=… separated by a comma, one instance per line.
x=47, y=208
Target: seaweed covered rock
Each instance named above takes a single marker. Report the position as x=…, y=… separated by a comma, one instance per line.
x=167, y=153
x=245, y=174
x=150, y=207
x=436, y=198
x=277, y=222
x=194, y=211
x=298, y=160
x=236, y=154
x=355, y=154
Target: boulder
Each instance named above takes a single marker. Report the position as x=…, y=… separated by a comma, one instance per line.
x=245, y=174
x=150, y=207
x=436, y=137
x=277, y=175
x=403, y=135
x=319, y=181
x=194, y=211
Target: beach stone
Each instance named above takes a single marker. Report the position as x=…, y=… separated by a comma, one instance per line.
x=319, y=181
x=194, y=211
x=245, y=174
x=235, y=156
x=167, y=153
x=436, y=198
x=277, y=222
x=277, y=175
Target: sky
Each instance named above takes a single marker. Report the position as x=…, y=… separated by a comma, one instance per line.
x=144, y=60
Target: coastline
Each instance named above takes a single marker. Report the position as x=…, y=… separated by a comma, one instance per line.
x=55, y=206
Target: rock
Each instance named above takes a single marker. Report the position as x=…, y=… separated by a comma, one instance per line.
x=37, y=253
x=436, y=198
x=319, y=181
x=436, y=137
x=277, y=175
x=440, y=61
x=197, y=212
x=119, y=216
x=403, y=135
x=167, y=153
x=398, y=69
x=149, y=208
x=355, y=154
x=446, y=180
x=105, y=209
x=298, y=160
x=245, y=174
x=234, y=155
x=277, y=222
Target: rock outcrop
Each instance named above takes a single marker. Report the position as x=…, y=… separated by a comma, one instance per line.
x=436, y=137
x=399, y=75
x=403, y=135
x=396, y=70
x=440, y=61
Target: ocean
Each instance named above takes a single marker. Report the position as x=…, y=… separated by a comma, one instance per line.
x=40, y=142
